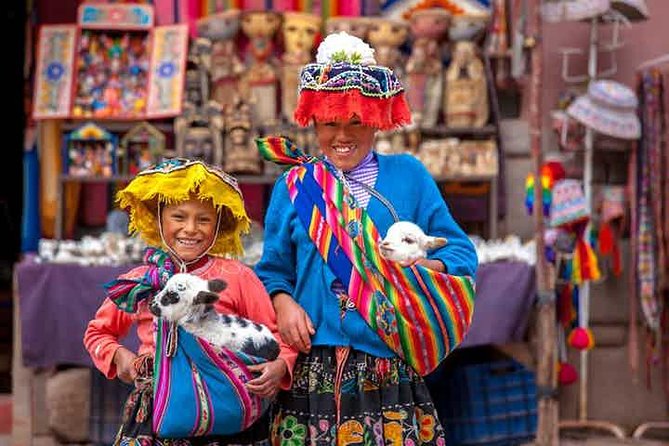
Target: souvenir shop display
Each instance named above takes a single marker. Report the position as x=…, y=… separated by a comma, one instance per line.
x=113, y=64
x=424, y=79
x=141, y=147
x=462, y=158
x=300, y=32
x=90, y=150
x=261, y=78
x=241, y=155
x=466, y=93
x=107, y=249
x=226, y=67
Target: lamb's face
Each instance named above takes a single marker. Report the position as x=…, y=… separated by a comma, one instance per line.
x=405, y=242
x=185, y=295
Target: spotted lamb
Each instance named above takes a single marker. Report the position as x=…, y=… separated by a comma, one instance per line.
x=188, y=300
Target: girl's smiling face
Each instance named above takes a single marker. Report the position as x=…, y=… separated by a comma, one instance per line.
x=189, y=227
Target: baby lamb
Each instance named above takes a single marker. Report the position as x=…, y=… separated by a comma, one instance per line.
x=189, y=301
x=405, y=242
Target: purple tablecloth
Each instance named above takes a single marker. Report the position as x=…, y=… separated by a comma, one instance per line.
x=57, y=301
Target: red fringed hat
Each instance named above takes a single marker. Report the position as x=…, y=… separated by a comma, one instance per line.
x=345, y=81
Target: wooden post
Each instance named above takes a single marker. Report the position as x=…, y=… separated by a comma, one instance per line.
x=547, y=430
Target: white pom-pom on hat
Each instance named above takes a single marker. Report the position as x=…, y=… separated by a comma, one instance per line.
x=343, y=47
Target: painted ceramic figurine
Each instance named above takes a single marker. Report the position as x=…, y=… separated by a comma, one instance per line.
x=200, y=56
x=226, y=66
x=260, y=79
x=424, y=67
x=199, y=133
x=300, y=33
x=386, y=37
x=241, y=155
x=466, y=93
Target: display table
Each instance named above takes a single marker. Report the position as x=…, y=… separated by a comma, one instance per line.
x=58, y=300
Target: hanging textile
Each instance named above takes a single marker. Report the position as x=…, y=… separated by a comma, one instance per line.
x=649, y=233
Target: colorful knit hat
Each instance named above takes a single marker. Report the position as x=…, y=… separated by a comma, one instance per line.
x=176, y=180
x=345, y=81
x=568, y=205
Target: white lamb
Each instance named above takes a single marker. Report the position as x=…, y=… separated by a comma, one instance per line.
x=405, y=242
x=188, y=300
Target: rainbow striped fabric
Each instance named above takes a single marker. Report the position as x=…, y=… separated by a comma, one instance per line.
x=419, y=313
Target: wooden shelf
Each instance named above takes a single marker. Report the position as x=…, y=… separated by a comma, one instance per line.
x=442, y=131
x=116, y=126
x=464, y=178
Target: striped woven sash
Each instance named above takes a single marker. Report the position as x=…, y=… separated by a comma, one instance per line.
x=419, y=313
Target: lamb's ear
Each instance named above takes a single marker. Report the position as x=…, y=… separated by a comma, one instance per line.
x=435, y=242
x=205, y=297
x=217, y=285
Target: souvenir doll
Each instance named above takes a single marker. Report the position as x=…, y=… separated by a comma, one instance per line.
x=466, y=93
x=226, y=66
x=260, y=79
x=300, y=32
x=241, y=155
x=424, y=67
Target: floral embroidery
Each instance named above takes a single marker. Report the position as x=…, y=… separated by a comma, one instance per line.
x=292, y=433
x=426, y=423
x=393, y=433
x=350, y=432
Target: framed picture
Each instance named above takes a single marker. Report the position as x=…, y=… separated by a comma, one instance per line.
x=141, y=147
x=90, y=151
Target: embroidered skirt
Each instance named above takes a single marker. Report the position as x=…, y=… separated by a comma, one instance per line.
x=344, y=397
x=136, y=429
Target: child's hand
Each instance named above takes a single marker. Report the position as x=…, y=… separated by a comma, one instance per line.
x=125, y=368
x=267, y=384
x=294, y=324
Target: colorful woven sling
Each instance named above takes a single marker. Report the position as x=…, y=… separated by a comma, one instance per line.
x=197, y=390
x=419, y=313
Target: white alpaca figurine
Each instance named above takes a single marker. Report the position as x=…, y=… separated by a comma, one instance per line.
x=188, y=300
x=405, y=242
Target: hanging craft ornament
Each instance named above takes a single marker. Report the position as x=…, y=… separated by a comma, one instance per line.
x=569, y=211
x=566, y=372
x=612, y=214
x=581, y=338
x=551, y=172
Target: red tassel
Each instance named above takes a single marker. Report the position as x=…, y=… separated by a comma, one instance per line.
x=567, y=374
x=608, y=245
x=581, y=338
x=325, y=106
x=606, y=240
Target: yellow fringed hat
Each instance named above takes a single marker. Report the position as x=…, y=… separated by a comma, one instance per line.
x=176, y=180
